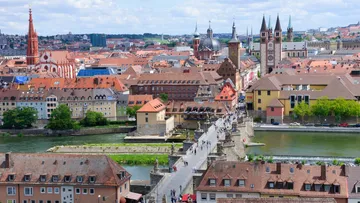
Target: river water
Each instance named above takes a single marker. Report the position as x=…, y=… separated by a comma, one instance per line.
x=307, y=144
x=41, y=144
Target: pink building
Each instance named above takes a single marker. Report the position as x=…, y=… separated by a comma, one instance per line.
x=275, y=112
x=63, y=178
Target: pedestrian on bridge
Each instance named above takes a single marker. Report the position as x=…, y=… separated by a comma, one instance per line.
x=180, y=189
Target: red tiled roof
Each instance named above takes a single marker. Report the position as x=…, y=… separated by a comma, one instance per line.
x=152, y=106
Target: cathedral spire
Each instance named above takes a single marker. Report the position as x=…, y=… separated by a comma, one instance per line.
x=234, y=36
x=289, y=26
x=196, y=33
x=247, y=31
x=263, y=24
x=32, y=53
x=278, y=26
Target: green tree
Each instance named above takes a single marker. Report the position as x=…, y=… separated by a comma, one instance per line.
x=322, y=107
x=131, y=111
x=93, y=118
x=19, y=118
x=302, y=110
x=342, y=108
x=164, y=97
x=60, y=119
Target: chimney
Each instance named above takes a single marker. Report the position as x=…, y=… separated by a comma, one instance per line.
x=278, y=167
x=7, y=160
x=323, y=172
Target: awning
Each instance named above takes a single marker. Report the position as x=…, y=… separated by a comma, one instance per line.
x=186, y=197
x=133, y=196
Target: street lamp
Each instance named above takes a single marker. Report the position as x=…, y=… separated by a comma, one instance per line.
x=99, y=198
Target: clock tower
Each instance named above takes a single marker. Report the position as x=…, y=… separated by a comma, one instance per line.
x=234, y=48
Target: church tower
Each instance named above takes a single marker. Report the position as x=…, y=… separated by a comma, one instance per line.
x=196, y=42
x=32, y=53
x=290, y=31
x=234, y=48
x=277, y=42
x=263, y=47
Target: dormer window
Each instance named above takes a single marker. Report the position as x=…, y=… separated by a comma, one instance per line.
x=267, y=169
x=336, y=188
x=317, y=187
x=55, y=178
x=227, y=182
x=326, y=187
x=42, y=178
x=291, y=170
x=241, y=183
x=11, y=177
x=67, y=178
x=290, y=185
x=271, y=185
x=79, y=179
x=92, y=179
x=212, y=182
x=27, y=178
x=307, y=187
x=357, y=189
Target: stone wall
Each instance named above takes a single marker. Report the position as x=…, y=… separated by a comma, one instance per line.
x=146, y=129
x=112, y=149
x=83, y=131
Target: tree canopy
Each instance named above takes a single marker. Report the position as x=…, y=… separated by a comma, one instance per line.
x=19, y=118
x=164, y=97
x=93, y=118
x=302, y=110
x=131, y=111
x=60, y=119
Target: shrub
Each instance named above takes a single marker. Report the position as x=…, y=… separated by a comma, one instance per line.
x=271, y=160
x=257, y=119
x=357, y=161
x=250, y=157
x=335, y=162
x=20, y=135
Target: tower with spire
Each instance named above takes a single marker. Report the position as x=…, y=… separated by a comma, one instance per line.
x=290, y=31
x=234, y=48
x=250, y=40
x=277, y=42
x=270, y=29
x=264, y=33
x=32, y=53
x=196, y=42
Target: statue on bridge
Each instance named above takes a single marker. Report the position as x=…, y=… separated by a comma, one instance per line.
x=187, y=136
x=172, y=148
x=156, y=165
x=199, y=125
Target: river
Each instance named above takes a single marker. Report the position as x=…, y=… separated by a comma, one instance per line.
x=307, y=144
x=41, y=144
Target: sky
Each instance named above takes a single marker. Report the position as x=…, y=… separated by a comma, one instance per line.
x=170, y=16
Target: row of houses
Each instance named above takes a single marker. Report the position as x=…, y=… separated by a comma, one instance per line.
x=228, y=181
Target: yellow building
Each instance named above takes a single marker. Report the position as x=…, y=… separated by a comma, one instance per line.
x=287, y=90
x=151, y=119
x=81, y=101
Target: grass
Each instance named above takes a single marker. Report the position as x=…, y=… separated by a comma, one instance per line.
x=135, y=145
x=183, y=135
x=140, y=159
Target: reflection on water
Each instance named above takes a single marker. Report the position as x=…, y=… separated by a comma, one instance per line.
x=307, y=144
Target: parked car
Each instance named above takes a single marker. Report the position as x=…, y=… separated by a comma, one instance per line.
x=309, y=124
x=295, y=124
x=357, y=125
x=344, y=125
x=276, y=123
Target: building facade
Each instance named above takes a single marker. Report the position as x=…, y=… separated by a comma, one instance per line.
x=60, y=178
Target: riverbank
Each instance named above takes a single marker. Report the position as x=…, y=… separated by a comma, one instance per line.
x=83, y=131
x=286, y=128
x=118, y=148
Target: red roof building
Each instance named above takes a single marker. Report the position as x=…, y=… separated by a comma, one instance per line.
x=228, y=95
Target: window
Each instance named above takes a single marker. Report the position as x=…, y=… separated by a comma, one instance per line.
x=92, y=191
x=259, y=109
x=306, y=99
x=227, y=183
x=56, y=190
x=241, y=183
x=28, y=191
x=290, y=185
x=33, y=201
x=272, y=108
x=79, y=179
x=317, y=187
x=125, y=186
x=25, y=201
x=292, y=101
x=267, y=169
x=42, y=190
x=259, y=101
x=49, y=190
x=229, y=195
x=11, y=191
x=92, y=179
x=146, y=120
x=327, y=188
x=41, y=201
x=212, y=196
x=57, y=201
x=67, y=179
x=271, y=184
x=268, y=92
x=336, y=188
x=307, y=187
x=11, y=177
x=27, y=178
x=77, y=191
x=259, y=92
x=55, y=178
x=49, y=201
x=85, y=191
x=203, y=196
x=291, y=170
x=212, y=182
x=252, y=186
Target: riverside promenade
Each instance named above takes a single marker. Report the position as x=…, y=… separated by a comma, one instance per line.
x=178, y=180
